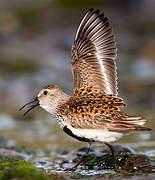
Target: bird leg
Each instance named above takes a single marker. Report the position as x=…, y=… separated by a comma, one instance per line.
x=82, y=159
x=113, y=155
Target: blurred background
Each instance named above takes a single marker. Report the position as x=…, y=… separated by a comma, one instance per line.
x=35, y=50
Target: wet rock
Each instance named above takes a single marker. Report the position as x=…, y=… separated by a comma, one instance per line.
x=124, y=159
x=99, y=162
x=104, y=159
x=138, y=162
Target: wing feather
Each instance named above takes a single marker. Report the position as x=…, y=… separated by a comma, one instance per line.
x=94, y=54
x=109, y=123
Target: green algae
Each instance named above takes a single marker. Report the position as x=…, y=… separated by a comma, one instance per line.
x=105, y=161
x=4, y=159
x=15, y=168
x=123, y=161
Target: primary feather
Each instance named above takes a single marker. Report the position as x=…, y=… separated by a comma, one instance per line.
x=94, y=54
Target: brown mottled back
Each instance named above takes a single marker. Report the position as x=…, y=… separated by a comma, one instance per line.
x=91, y=108
x=94, y=101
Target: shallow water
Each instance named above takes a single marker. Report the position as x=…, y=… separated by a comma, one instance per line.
x=55, y=150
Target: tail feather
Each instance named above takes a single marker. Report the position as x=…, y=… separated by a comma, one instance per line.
x=142, y=128
x=133, y=119
x=129, y=123
x=138, y=123
x=136, y=120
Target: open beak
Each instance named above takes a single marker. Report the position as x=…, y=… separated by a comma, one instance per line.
x=31, y=105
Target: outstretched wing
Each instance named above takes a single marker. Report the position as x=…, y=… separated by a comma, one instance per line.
x=94, y=54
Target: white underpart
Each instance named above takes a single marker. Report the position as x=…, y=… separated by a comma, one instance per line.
x=103, y=70
x=97, y=135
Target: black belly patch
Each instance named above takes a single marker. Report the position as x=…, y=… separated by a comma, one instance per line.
x=69, y=132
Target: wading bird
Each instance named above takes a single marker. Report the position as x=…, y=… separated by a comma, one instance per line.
x=93, y=113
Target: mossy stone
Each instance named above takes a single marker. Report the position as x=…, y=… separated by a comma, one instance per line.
x=105, y=161
x=138, y=162
x=13, y=168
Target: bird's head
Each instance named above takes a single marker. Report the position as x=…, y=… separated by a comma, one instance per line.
x=48, y=98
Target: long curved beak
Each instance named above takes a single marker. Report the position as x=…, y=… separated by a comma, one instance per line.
x=31, y=105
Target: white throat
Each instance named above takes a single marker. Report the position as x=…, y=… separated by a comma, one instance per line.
x=52, y=106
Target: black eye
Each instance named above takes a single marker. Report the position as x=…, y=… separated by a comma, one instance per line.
x=45, y=92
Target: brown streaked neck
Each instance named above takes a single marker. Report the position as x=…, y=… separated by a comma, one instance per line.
x=61, y=99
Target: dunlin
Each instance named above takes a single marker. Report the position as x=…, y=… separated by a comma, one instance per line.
x=93, y=113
